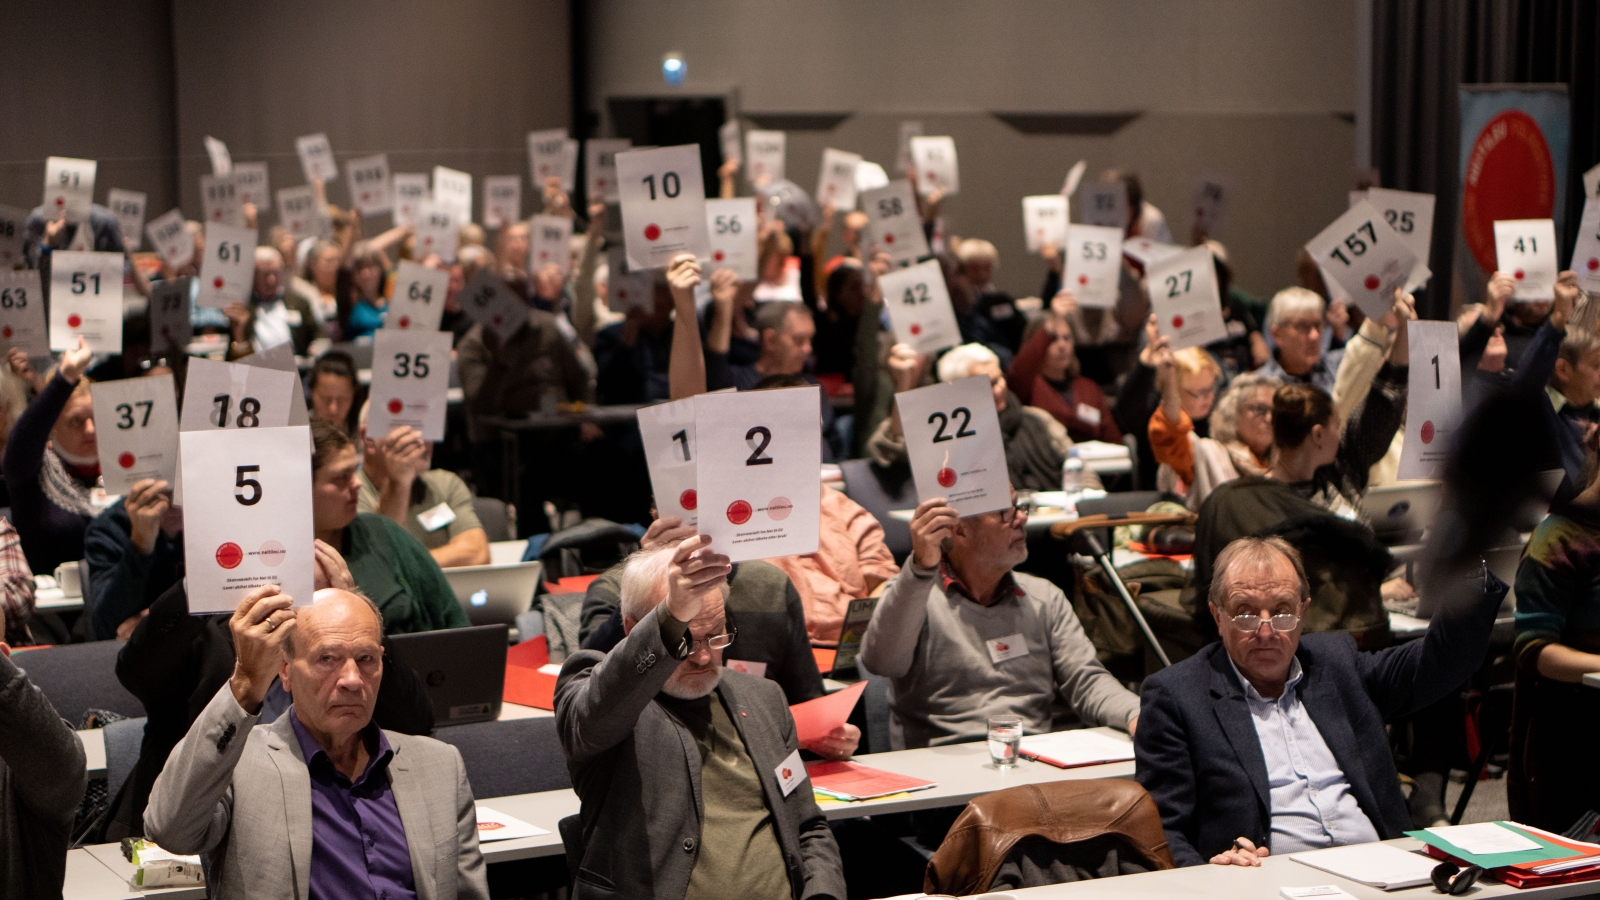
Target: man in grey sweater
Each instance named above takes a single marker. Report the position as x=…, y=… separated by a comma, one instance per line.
x=962, y=637
x=42, y=778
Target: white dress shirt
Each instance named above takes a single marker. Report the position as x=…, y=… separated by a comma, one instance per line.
x=272, y=323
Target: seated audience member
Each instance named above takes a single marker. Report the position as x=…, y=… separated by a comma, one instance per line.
x=1239, y=425
x=235, y=791
x=1559, y=365
x=961, y=635
x=1274, y=741
x=135, y=552
x=1244, y=349
x=16, y=588
x=1138, y=398
x=273, y=315
x=852, y=562
x=1295, y=321
x=321, y=270
x=398, y=483
x=979, y=261
x=47, y=230
x=786, y=329
x=633, y=356
x=1046, y=375
x=362, y=303
x=632, y=721
x=386, y=563
x=42, y=778
x=51, y=466
x=974, y=324
x=332, y=387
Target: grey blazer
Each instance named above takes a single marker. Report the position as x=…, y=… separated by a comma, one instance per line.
x=637, y=770
x=241, y=795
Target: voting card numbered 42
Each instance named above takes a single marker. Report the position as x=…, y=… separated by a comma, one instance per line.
x=953, y=438
x=759, y=475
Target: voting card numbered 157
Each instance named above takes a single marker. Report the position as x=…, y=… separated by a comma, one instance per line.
x=663, y=205
x=1365, y=256
x=136, y=424
x=759, y=476
x=667, y=430
x=954, y=442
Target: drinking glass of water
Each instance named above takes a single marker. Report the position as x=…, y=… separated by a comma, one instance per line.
x=1005, y=739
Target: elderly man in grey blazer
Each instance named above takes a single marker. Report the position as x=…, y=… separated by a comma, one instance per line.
x=660, y=706
x=322, y=803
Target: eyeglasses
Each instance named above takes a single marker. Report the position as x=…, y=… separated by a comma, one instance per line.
x=1250, y=623
x=1259, y=410
x=1010, y=513
x=714, y=642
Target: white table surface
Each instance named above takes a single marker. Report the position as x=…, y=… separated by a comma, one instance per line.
x=89, y=879
x=111, y=859
x=55, y=600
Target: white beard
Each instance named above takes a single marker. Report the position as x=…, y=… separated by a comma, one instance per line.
x=676, y=688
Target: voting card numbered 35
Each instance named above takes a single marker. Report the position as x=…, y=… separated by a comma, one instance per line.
x=953, y=438
x=410, y=382
x=759, y=475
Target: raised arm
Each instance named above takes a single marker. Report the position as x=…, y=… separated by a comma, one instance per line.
x=890, y=645
x=686, y=368
x=583, y=292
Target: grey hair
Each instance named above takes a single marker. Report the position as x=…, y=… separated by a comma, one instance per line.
x=1225, y=417
x=288, y=639
x=1256, y=553
x=1291, y=303
x=959, y=363
x=644, y=576
x=266, y=253
x=1578, y=343
x=774, y=315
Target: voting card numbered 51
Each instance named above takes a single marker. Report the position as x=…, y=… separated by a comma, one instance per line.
x=86, y=300
x=953, y=439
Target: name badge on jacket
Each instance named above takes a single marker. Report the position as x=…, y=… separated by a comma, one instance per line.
x=1089, y=415
x=790, y=773
x=1009, y=647
x=292, y=316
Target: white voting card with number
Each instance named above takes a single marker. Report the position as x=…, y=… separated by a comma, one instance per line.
x=1092, y=265
x=1077, y=748
x=316, y=157
x=549, y=242
x=298, y=212
x=1586, y=253
x=418, y=300
x=408, y=191
x=1184, y=298
x=1380, y=865
x=893, y=222
x=1433, y=399
x=410, y=378
x=68, y=187
x=502, y=200
x=731, y=226
x=728, y=137
x=547, y=158
x=228, y=268
x=219, y=201
x=1526, y=250
x=1210, y=204
x=437, y=231
x=170, y=235
x=128, y=207
x=221, y=160
x=493, y=305
x=1410, y=214
x=1365, y=256
x=280, y=357
x=1146, y=252
x=760, y=471
x=86, y=300
x=903, y=161
x=22, y=323
x=250, y=182
x=246, y=515
x=1104, y=203
x=600, y=167
x=919, y=307
x=234, y=395
x=935, y=158
x=870, y=176
x=764, y=156
x=369, y=183
x=836, y=183
x=627, y=290
x=1044, y=221
x=452, y=189
x=13, y=232
x=668, y=433
x=170, y=329
x=954, y=441
x=136, y=423
x=663, y=205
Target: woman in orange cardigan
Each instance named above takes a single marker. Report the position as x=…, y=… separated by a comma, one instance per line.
x=1045, y=374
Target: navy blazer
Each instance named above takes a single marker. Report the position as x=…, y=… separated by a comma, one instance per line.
x=1200, y=758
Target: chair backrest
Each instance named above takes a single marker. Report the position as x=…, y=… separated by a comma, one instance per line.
x=123, y=741
x=876, y=702
x=1112, y=820
x=79, y=677
x=880, y=490
x=510, y=756
x=495, y=517
x=1116, y=504
x=587, y=548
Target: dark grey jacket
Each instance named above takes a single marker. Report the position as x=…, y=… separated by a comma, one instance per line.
x=41, y=781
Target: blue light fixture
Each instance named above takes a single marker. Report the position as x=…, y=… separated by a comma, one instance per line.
x=673, y=69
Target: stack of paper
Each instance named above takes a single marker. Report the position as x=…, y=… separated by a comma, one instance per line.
x=853, y=781
x=1071, y=749
x=1379, y=865
x=1519, y=855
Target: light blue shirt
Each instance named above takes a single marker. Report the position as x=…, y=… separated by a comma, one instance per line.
x=1312, y=806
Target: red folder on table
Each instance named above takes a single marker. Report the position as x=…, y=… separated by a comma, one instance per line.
x=525, y=684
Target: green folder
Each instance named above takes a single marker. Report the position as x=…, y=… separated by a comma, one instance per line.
x=1548, y=849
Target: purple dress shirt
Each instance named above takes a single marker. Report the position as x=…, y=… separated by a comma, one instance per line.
x=358, y=843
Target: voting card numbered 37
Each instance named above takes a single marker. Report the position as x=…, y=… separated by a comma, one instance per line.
x=247, y=515
x=1433, y=398
x=663, y=205
x=86, y=301
x=410, y=382
x=1184, y=298
x=669, y=449
x=919, y=307
x=953, y=439
x=1365, y=256
x=136, y=423
x=759, y=475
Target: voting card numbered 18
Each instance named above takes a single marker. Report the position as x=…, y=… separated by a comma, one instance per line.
x=410, y=381
x=954, y=442
x=22, y=322
x=247, y=515
x=233, y=395
x=760, y=471
x=136, y=424
x=1365, y=256
x=1092, y=265
x=1184, y=298
x=668, y=433
x=418, y=301
x=731, y=227
x=1044, y=221
x=228, y=267
x=1433, y=398
x=919, y=307
x=663, y=205
x=1526, y=250
x=894, y=223
x=86, y=301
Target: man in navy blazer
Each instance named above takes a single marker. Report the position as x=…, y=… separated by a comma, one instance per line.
x=1274, y=742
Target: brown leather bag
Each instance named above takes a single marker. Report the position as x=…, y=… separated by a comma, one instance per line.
x=1114, y=815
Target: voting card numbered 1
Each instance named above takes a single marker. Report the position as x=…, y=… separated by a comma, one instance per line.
x=1044, y=221
x=1365, y=256
x=761, y=461
x=954, y=442
x=86, y=301
x=919, y=307
x=418, y=301
x=410, y=381
x=894, y=223
x=247, y=515
x=1525, y=249
x=1184, y=298
x=1092, y=265
x=668, y=433
x=663, y=205
x=731, y=226
x=228, y=266
x=22, y=322
x=1433, y=398
x=136, y=426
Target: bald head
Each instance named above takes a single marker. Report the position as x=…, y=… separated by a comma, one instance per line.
x=337, y=609
x=335, y=674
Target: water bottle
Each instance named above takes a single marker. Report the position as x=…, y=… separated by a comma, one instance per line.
x=1072, y=475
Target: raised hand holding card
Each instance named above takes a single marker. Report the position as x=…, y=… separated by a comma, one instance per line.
x=837, y=182
x=600, y=167
x=452, y=189
x=86, y=300
x=1433, y=399
x=137, y=430
x=936, y=165
x=170, y=235
x=410, y=190
x=298, y=212
x=1184, y=298
x=549, y=241
x=502, y=200
x=1365, y=256
x=1104, y=203
x=663, y=205
x=170, y=329
x=250, y=182
x=228, y=268
x=893, y=223
x=954, y=442
x=410, y=381
x=1093, y=265
x=369, y=184
x=764, y=155
x=1586, y=253
x=668, y=433
x=547, y=158
x=316, y=157
x=219, y=201
x=759, y=475
x=1044, y=221
x=1526, y=248
x=919, y=307
x=22, y=322
x=731, y=226
x=418, y=301
x=1410, y=214
x=493, y=305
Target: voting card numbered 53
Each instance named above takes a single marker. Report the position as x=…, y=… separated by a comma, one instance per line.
x=669, y=448
x=663, y=205
x=410, y=382
x=1365, y=256
x=953, y=439
x=136, y=423
x=247, y=515
x=1184, y=298
x=22, y=323
x=759, y=476
x=1092, y=266
x=86, y=301
x=919, y=307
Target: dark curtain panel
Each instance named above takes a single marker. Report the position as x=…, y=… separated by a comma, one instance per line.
x=1423, y=49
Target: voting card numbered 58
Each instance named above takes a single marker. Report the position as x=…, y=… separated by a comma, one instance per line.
x=136, y=423
x=953, y=439
x=894, y=223
x=669, y=449
x=759, y=476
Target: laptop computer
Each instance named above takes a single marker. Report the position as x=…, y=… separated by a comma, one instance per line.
x=462, y=669
x=1400, y=512
x=495, y=594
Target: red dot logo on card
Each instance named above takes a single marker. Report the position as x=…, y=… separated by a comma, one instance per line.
x=599, y=182
x=1518, y=274
x=779, y=508
x=166, y=331
x=218, y=282
x=1001, y=646
x=1199, y=213
x=1371, y=283
x=395, y=406
x=689, y=499
x=496, y=322
x=365, y=196
x=787, y=774
x=651, y=232
x=717, y=256
x=1083, y=279
x=126, y=460
x=1593, y=263
x=271, y=553
x=1177, y=321
x=1427, y=432
x=218, y=216
x=544, y=168
x=427, y=242
x=916, y=330
x=405, y=321
x=6, y=331
x=74, y=320
x=544, y=254
x=888, y=239
x=738, y=512
x=61, y=201
x=947, y=477
x=229, y=555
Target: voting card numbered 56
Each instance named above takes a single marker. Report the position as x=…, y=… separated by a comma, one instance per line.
x=663, y=205
x=669, y=448
x=22, y=323
x=1526, y=250
x=1433, y=398
x=953, y=439
x=410, y=382
x=1365, y=256
x=247, y=515
x=732, y=228
x=86, y=301
x=919, y=307
x=1184, y=298
x=136, y=423
x=759, y=476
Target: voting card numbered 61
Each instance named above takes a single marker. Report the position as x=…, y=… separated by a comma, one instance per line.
x=953, y=438
x=759, y=476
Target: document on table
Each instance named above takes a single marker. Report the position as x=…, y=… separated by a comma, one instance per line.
x=1379, y=865
x=1077, y=748
x=1484, y=838
x=853, y=781
x=494, y=825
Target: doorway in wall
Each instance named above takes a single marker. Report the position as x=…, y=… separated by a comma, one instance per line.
x=670, y=121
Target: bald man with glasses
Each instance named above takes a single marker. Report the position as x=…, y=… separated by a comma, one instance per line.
x=1272, y=741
